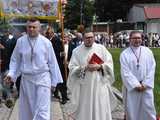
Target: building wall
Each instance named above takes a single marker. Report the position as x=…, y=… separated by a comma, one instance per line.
x=136, y=14
x=100, y=28
x=112, y=27
x=153, y=27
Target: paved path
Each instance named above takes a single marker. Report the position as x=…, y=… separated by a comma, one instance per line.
x=117, y=114
x=55, y=110
x=59, y=111
x=4, y=112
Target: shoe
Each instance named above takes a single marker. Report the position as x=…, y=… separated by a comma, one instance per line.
x=57, y=96
x=63, y=102
x=67, y=98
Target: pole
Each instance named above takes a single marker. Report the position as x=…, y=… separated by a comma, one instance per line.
x=81, y=12
x=96, y=24
x=62, y=36
x=1, y=9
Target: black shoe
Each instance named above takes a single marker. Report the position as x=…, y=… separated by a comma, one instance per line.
x=67, y=98
x=63, y=102
x=57, y=96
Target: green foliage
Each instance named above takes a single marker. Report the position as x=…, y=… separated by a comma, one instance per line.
x=157, y=79
x=4, y=25
x=116, y=54
x=73, y=13
x=118, y=83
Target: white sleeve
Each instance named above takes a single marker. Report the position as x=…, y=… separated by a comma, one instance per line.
x=129, y=80
x=108, y=67
x=15, y=62
x=151, y=65
x=56, y=76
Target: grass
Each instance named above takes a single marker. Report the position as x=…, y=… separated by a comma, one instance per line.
x=118, y=83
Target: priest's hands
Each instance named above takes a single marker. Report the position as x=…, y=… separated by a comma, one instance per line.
x=93, y=67
x=140, y=88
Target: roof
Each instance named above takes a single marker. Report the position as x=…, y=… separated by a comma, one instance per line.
x=148, y=5
x=152, y=12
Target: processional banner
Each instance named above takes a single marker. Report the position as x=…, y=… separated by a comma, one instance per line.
x=43, y=9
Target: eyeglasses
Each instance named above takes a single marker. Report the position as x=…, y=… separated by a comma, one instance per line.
x=89, y=37
x=34, y=27
x=135, y=38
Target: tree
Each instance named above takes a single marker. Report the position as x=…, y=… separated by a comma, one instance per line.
x=78, y=12
x=4, y=25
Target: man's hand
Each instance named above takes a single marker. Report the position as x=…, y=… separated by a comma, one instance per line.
x=140, y=88
x=93, y=67
x=53, y=88
x=8, y=80
x=143, y=87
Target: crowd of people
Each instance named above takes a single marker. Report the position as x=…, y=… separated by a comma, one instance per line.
x=80, y=68
x=121, y=39
x=7, y=42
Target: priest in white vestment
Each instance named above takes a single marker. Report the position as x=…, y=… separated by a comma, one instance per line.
x=90, y=84
x=137, y=72
x=35, y=59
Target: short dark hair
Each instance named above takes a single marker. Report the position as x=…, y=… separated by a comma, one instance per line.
x=87, y=30
x=134, y=32
x=33, y=19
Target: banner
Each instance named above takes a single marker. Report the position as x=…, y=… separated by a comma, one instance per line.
x=43, y=9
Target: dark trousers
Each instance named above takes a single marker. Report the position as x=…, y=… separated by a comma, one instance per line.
x=18, y=82
x=63, y=90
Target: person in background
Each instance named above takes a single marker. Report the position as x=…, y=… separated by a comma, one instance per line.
x=2, y=68
x=60, y=55
x=73, y=44
x=137, y=72
x=35, y=59
x=9, y=42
